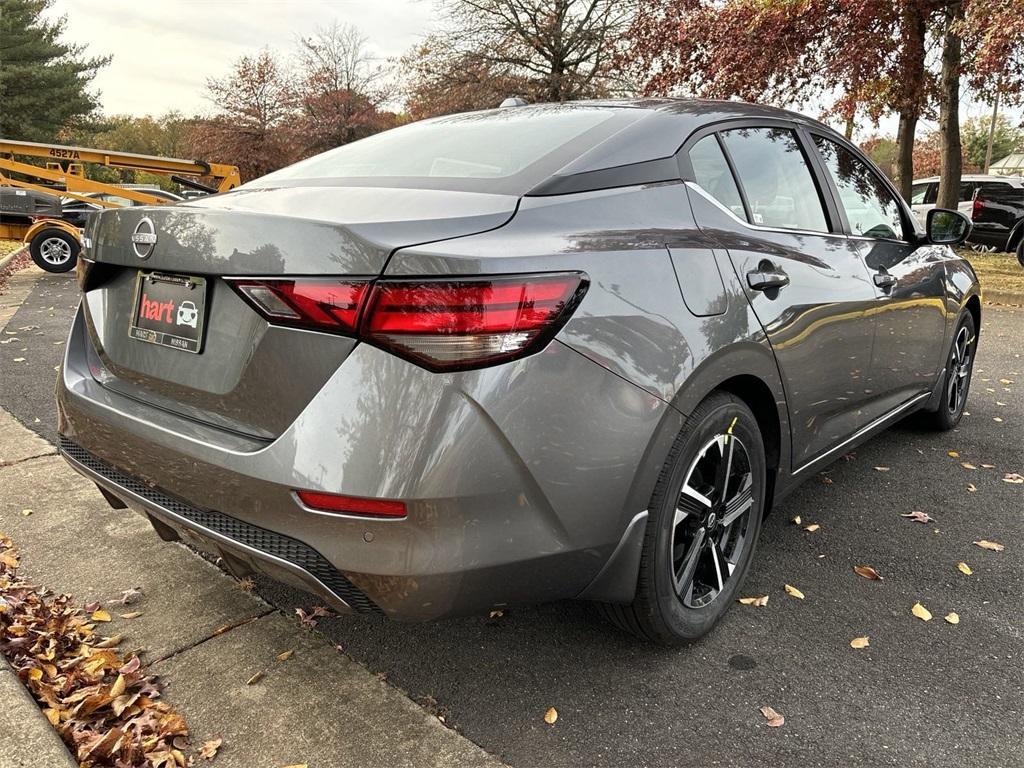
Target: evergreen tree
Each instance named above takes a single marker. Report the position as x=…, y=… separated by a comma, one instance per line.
x=43, y=81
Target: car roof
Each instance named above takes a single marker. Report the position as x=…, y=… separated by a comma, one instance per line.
x=659, y=133
x=976, y=177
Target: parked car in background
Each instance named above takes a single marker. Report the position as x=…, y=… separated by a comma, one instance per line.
x=77, y=211
x=998, y=218
x=925, y=192
x=526, y=354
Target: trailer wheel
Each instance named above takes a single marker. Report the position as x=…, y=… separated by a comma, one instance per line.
x=54, y=250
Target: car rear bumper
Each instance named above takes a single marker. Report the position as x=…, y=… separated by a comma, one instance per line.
x=519, y=480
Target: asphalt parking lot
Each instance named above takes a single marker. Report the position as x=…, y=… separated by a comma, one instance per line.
x=922, y=694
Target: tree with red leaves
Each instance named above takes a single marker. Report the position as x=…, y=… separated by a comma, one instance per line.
x=873, y=53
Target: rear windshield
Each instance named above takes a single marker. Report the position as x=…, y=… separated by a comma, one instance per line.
x=507, y=151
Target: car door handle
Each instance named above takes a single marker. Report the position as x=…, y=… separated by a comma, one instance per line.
x=767, y=279
x=885, y=281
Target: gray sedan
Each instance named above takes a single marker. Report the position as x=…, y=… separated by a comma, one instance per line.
x=526, y=354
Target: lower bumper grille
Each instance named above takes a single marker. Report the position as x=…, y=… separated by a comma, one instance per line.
x=269, y=542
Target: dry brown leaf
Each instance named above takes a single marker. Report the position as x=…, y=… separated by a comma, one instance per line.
x=131, y=615
x=993, y=546
x=972, y=487
x=921, y=612
x=867, y=572
x=797, y=520
x=964, y=568
x=793, y=592
x=812, y=527
x=100, y=615
x=255, y=678
x=26, y=512
x=551, y=716
x=882, y=469
x=967, y=465
x=774, y=718
x=758, y=602
x=860, y=642
x=285, y=655
x=1013, y=478
x=918, y=517
x=954, y=455
x=952, y=618
x=495, y=614
x=209, y=749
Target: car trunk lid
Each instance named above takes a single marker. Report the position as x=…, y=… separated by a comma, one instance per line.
x=251, y=377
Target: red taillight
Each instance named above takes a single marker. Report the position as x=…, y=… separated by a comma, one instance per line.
x=458, y=324
x=323, y=305
x=442, y=325
x=977, y=207
x=351, y=505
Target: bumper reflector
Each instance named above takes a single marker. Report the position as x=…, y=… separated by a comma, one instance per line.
x=351, y=505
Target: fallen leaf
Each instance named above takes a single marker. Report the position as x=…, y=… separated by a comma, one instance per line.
x=988, y=466
x=867, y=572
x=921, y=612
x=954, y=455
x=972, y=487
x=794, y=592
x=1013, y=478
x=1006, y=381
x=952, y=618
x=495, y=614
x=209, y=749
x=131, y=667
x=285, y=655
x=758, y=602
x=93, y=606
x=812, y=527
x=551, y=716
x=298, y=765
x=859, y=642
x=918, y=517
x=26, y=512
x=797, y=520
x=132, y=615
x=993, y=546
x=19, y=359
x=964, y=568
x=967, y=465
x=826, y=480
x=100, y=615
x=774, y=718
x=882, y=469
x=996, y=418
x=255, y=678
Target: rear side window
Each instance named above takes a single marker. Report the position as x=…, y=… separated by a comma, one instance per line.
x=870, y=207
x=917, y=193
x=711, y=172
x=967, y=189
x=776, y=178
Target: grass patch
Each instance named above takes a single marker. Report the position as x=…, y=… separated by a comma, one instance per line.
x=999, y=273
x=9, y=246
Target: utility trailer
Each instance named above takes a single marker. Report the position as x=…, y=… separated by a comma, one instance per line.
x=55, y=244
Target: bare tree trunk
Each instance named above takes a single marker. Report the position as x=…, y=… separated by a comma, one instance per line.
x=913, y=24
x=903, y=172
x=951, y=166
x=992, y=131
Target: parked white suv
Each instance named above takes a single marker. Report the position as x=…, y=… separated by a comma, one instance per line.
x=924, y=192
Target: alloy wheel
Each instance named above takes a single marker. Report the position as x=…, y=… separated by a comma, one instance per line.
x=55, y=251
x=959, y=370
x=709, y=530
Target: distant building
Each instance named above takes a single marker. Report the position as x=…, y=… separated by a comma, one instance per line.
x=1011, y=165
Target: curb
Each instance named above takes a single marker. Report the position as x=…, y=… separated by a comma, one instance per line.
x=27, y=740
x=12, y=256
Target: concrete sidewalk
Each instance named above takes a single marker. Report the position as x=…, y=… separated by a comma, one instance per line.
x=319, y=707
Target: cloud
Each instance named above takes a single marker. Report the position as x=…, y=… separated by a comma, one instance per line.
x=163, y=52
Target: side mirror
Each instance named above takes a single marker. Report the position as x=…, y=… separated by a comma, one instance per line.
x=946, y=227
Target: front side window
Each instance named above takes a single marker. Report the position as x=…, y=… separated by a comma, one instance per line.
x=776, y=178
x=870, y=207
x=711, y=172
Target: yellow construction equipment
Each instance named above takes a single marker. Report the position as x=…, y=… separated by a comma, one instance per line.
x=64, y=175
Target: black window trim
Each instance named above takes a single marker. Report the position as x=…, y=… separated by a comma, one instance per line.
x=910, y=233
x=836, y=225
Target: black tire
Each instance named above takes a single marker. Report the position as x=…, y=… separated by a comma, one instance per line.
x=54, y=250
x=1020, y=251
x=659, y=612
x=953, y=401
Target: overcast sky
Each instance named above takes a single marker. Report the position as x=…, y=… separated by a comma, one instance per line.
x=165, y=49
